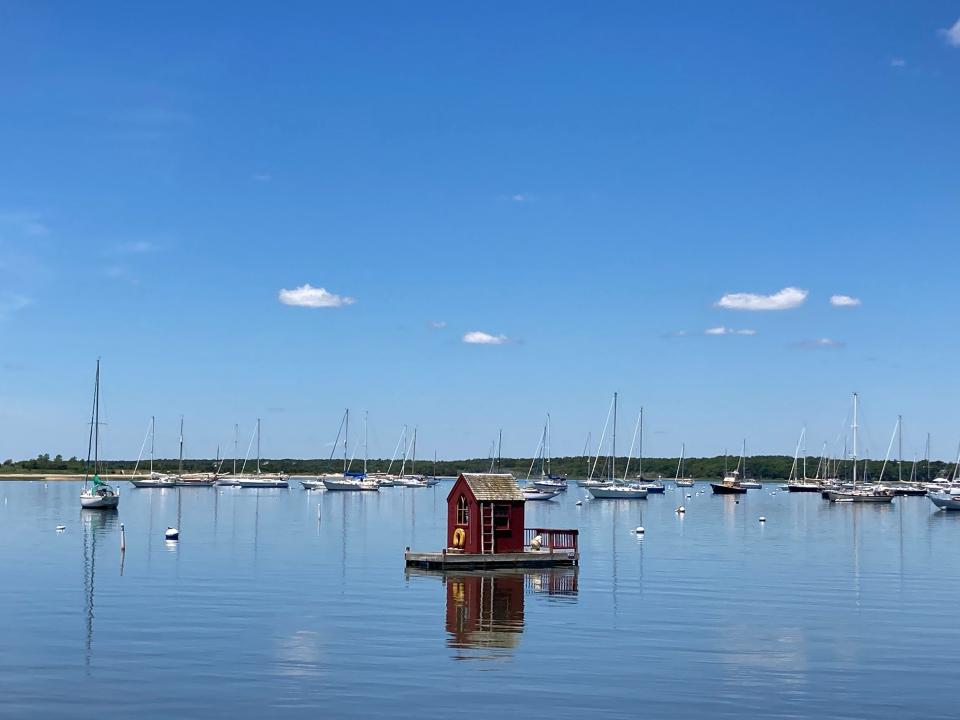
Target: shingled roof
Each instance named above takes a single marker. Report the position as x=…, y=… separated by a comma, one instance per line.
x=495, y=487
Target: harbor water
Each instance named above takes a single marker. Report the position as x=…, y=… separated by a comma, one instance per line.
x=294, y=604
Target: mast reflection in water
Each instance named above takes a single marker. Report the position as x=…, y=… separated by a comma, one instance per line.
x=96, y=525
x=485, y=611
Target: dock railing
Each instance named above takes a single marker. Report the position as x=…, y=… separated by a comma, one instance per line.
x=552, y=540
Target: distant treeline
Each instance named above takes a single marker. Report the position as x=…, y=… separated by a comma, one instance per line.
x=761, y=467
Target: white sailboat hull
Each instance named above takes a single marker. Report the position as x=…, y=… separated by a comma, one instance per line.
x=94, y=501
x=617, y=492
x=339, y=482
x=540, y=494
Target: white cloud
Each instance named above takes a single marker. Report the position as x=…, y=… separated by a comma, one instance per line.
x=952, y=34
x=821, y=343
x=25, y=223
x=12, y=302
x=438, y=324
x=136, y=247
x=261, y=177
x=844, y=301
x=476, y=337
x=309, y=296
x=519, y=197
x=786, y=299
x=729, y=331
x=898, y=62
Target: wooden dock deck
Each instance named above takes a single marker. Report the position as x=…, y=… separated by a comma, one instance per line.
x=490, y=561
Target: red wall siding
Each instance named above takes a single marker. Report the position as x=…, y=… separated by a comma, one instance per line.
x=506, y=540
x=460, y=487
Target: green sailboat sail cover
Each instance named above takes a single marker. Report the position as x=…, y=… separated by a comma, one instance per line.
x=97, y=482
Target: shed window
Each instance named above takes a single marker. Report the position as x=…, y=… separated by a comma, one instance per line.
x=501, y=517
x=463, y=511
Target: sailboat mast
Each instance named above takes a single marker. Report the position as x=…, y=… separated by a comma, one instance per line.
x=640, y=452
x=236, y=449
x=613, y=458
x=96, y=425
x=258, y=446
x=928, y=457
x=346, y=434
x=366, y=436
x=855, y=400
x=548, y=445
x=900, y=448
x=153, y=421
x=413, y=460
x=499, y=454
x=93, y=415
x=180, y=462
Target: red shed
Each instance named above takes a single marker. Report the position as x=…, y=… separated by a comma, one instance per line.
x=485, y=514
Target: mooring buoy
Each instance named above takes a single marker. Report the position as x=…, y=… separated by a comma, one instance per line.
x=172, y=533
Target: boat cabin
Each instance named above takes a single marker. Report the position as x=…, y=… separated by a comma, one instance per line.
x=485, y=514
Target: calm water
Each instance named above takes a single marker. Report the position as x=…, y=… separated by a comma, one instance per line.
x=262, y=610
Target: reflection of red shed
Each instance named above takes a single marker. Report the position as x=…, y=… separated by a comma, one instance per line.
x=484, y=611
x=486, y=512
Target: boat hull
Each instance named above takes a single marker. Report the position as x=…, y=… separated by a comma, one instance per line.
x=342, y=484
x=617, y=493
x=751, y=485
x=842, y=496
x=99, y=502
x=684, y=483
x=540, y=495
x=721, y=489
x=655, y=489
x=804, y=487
x=945, y=501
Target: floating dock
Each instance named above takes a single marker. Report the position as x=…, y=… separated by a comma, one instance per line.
x=491, y=561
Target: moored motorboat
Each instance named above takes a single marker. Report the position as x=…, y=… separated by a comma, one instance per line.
x=730, y=485
x=751, y=484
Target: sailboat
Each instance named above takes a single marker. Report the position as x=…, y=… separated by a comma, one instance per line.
x=190, y=479
x=748, y=483
x=910, y=487
x=261, y=479
x=795, y=483
x=96, y=494
x=412, y=480
x=616, y=490
x=859, y=494
x=346, y=480
x=542, y=489
x=547, y=482
x=154, y=479
x=680, y=480
x=652, y=488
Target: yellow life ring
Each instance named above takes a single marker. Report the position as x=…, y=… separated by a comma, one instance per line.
x=459, y=538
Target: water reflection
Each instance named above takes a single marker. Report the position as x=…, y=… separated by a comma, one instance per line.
x=485, y=611
x=97, y=525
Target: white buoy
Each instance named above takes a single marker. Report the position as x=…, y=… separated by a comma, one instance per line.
x=690, y=496
x=639, y=530
x=61, y=528
x=762, y=519
x=171, y=534
x=681, y=510
x=579, y=502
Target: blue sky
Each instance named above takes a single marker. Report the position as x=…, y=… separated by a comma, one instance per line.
x=586, y=181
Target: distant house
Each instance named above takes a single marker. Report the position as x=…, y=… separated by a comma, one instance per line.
x=485, y=514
